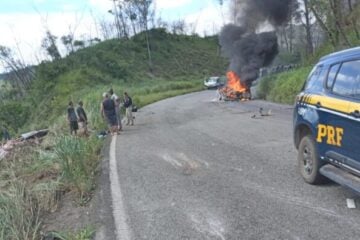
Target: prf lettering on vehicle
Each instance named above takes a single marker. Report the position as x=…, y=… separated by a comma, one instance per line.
x=332, y=135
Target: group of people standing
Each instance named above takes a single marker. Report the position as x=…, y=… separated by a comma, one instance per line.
x=110, y=109
x=77, y=119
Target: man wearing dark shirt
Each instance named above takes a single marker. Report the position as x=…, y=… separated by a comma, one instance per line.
x=72, y=118
x=107, y=109
x=82, y=117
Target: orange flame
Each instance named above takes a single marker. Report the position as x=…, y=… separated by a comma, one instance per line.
x=234, y=82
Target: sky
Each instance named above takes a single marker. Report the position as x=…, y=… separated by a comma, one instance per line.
x=23, y=23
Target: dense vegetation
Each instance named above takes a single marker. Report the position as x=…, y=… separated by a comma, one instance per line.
x=179, y=63
x=285, y=86
x=314, y=29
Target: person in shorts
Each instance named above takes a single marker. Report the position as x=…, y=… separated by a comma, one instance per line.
x=108, y=112
x=128, y=109
x=118, y=113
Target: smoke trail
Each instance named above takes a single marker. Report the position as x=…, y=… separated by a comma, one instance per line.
x=258, y=11
x=248, y=51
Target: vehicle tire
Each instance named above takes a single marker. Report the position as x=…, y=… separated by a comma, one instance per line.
x=309, y=162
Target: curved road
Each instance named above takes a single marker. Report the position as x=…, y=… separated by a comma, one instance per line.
x=194, y=168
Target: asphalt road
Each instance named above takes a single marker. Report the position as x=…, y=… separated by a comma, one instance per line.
x=194, y=168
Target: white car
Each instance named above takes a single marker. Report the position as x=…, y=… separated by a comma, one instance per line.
x=213, y=82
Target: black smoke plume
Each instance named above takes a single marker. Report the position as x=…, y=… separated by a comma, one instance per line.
x=276, y=12
x=247, y=50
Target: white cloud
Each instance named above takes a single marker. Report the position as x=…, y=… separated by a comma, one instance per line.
x=23, y=32
x=170, y=4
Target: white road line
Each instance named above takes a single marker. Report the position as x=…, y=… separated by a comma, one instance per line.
x=122, y=229
x=171, y=160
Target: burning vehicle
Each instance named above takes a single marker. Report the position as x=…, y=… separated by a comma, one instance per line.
x=251, y=43
x=234, y=89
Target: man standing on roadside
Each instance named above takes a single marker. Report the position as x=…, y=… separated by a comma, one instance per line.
x=128, y=108
x=108, y=112
x=117, y=102
x=82, y=117
x=72, y=118
x=118, y=113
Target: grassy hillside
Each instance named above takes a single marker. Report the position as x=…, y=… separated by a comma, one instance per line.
x=283, y=87
x=179, y=64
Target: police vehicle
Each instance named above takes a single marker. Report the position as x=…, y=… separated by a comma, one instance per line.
x=327, y=121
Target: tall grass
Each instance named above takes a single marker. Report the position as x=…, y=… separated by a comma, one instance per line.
x=32, y=180
x=28, y=188
x=79, y=160
x=283, y=87
x=19, y=214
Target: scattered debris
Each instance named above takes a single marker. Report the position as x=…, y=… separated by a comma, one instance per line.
x=7, y=147
x=134, y=108
x=262, y=113
x=102, y=134
x=3, y=153
x=34, y=134
x=350, y=203
x=11, y=144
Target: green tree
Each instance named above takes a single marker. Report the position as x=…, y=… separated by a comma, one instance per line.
x=144, y=15
x=50, y=46
x=330, y=15
x=20, y=75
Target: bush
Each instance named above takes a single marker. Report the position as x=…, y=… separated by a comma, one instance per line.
x=13, y=114
x=283, y=87
x=265, y=86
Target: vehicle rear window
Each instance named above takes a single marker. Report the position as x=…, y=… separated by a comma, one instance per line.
x=315, y=81
x=332, y=74
x=347, y=79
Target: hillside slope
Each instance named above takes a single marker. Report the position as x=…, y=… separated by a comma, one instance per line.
x=179, y=63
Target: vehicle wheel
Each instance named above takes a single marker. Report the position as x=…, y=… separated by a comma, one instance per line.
x=309, y=162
